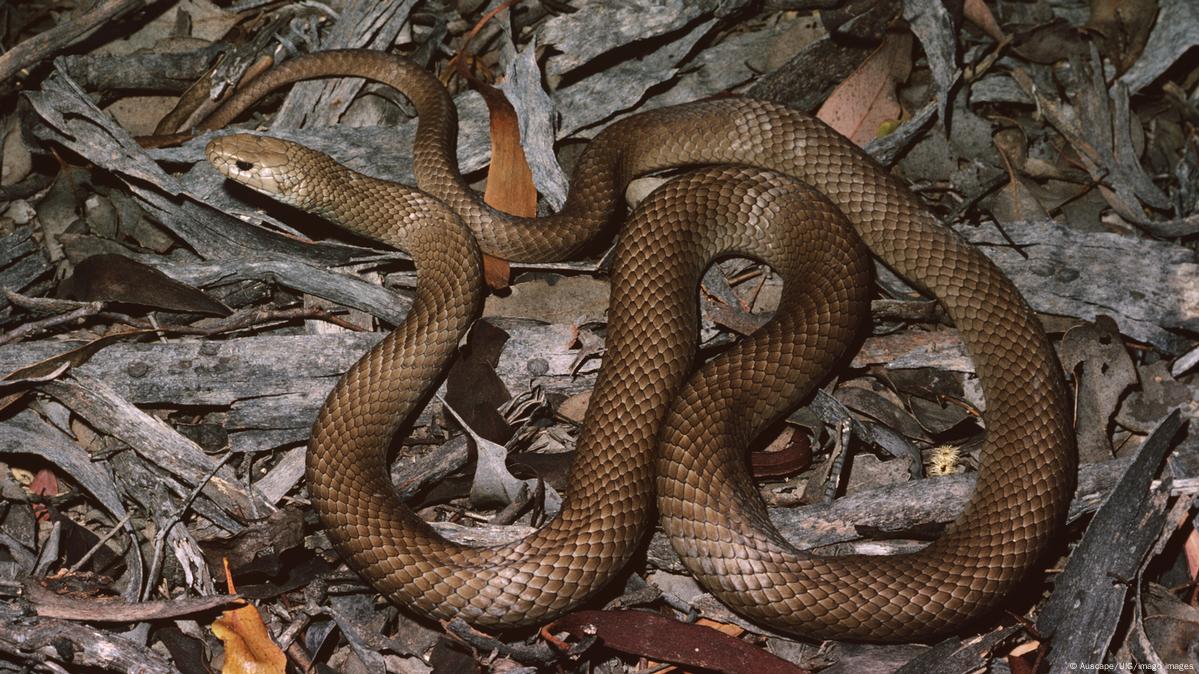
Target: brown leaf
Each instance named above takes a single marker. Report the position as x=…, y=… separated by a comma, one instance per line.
x=1123, y=26
x=793, y=456
x=1049, y=43
x=249, y=648
x=510, y=185
x=574, y=408
x=653, y=636
x=1016, y=201
x=977, y=12
x=496, y=272
x=866, y=100
x=116, y=278
x=724, y=628
x=509, y=180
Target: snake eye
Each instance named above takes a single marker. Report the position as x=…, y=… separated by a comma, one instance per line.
x=243, y=165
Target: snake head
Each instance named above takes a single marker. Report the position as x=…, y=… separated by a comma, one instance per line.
x=280, y=169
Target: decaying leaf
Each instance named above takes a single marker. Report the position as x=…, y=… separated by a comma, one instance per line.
x=249, y=648
x=1095, y=353
x=861, y=104
x=980, y=15
x=116, y=278
x=1124, y=27
x=510, y=185
x=653, y=636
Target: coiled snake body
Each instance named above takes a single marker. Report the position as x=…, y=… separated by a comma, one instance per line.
x=705, y=498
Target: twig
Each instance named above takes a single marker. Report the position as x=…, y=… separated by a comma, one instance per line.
x=49, y=604
x=33, y=327
x=537, y=654
x=238, y=321
x=100, y=543
x=160, y=539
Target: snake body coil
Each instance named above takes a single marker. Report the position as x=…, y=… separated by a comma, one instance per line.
x=707, y=503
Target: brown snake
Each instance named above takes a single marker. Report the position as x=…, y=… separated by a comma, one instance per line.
x=706, y=500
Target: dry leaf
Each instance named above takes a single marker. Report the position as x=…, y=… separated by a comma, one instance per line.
x=496, y=272
x=116, y=278
x=509, y=180
x=1191, y=548
x=866, y=100
x=977, y=12
x=510, y=187
x=657, y=637
x=1023, y=658
x=1124, y=27
x=249, y=648
x=45, y=483
x=787, y=454
x=726, y=628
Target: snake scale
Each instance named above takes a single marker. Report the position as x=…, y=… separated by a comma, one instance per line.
x=642, y=438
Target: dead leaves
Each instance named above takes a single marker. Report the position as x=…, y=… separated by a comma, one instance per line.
x=249, y=648
x=1123, y=27
x=510, y=187
x=116, y=278
x=1103, y=371
x=705, y=646
x=865, y=105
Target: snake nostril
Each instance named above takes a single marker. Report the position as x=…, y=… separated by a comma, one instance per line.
x=243, y=165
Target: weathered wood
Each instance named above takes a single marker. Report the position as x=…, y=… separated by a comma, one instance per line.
x=1150, y=287
x=1084, y=610
x=107, y=410
x=274, y=385
x=75, y=645
x=22, y=263
x=27, y=433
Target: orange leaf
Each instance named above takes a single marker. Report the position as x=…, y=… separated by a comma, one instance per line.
x=496, y=272
x=866, y=100
x=509, y=180
x=510, y=185
x=249, y=648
